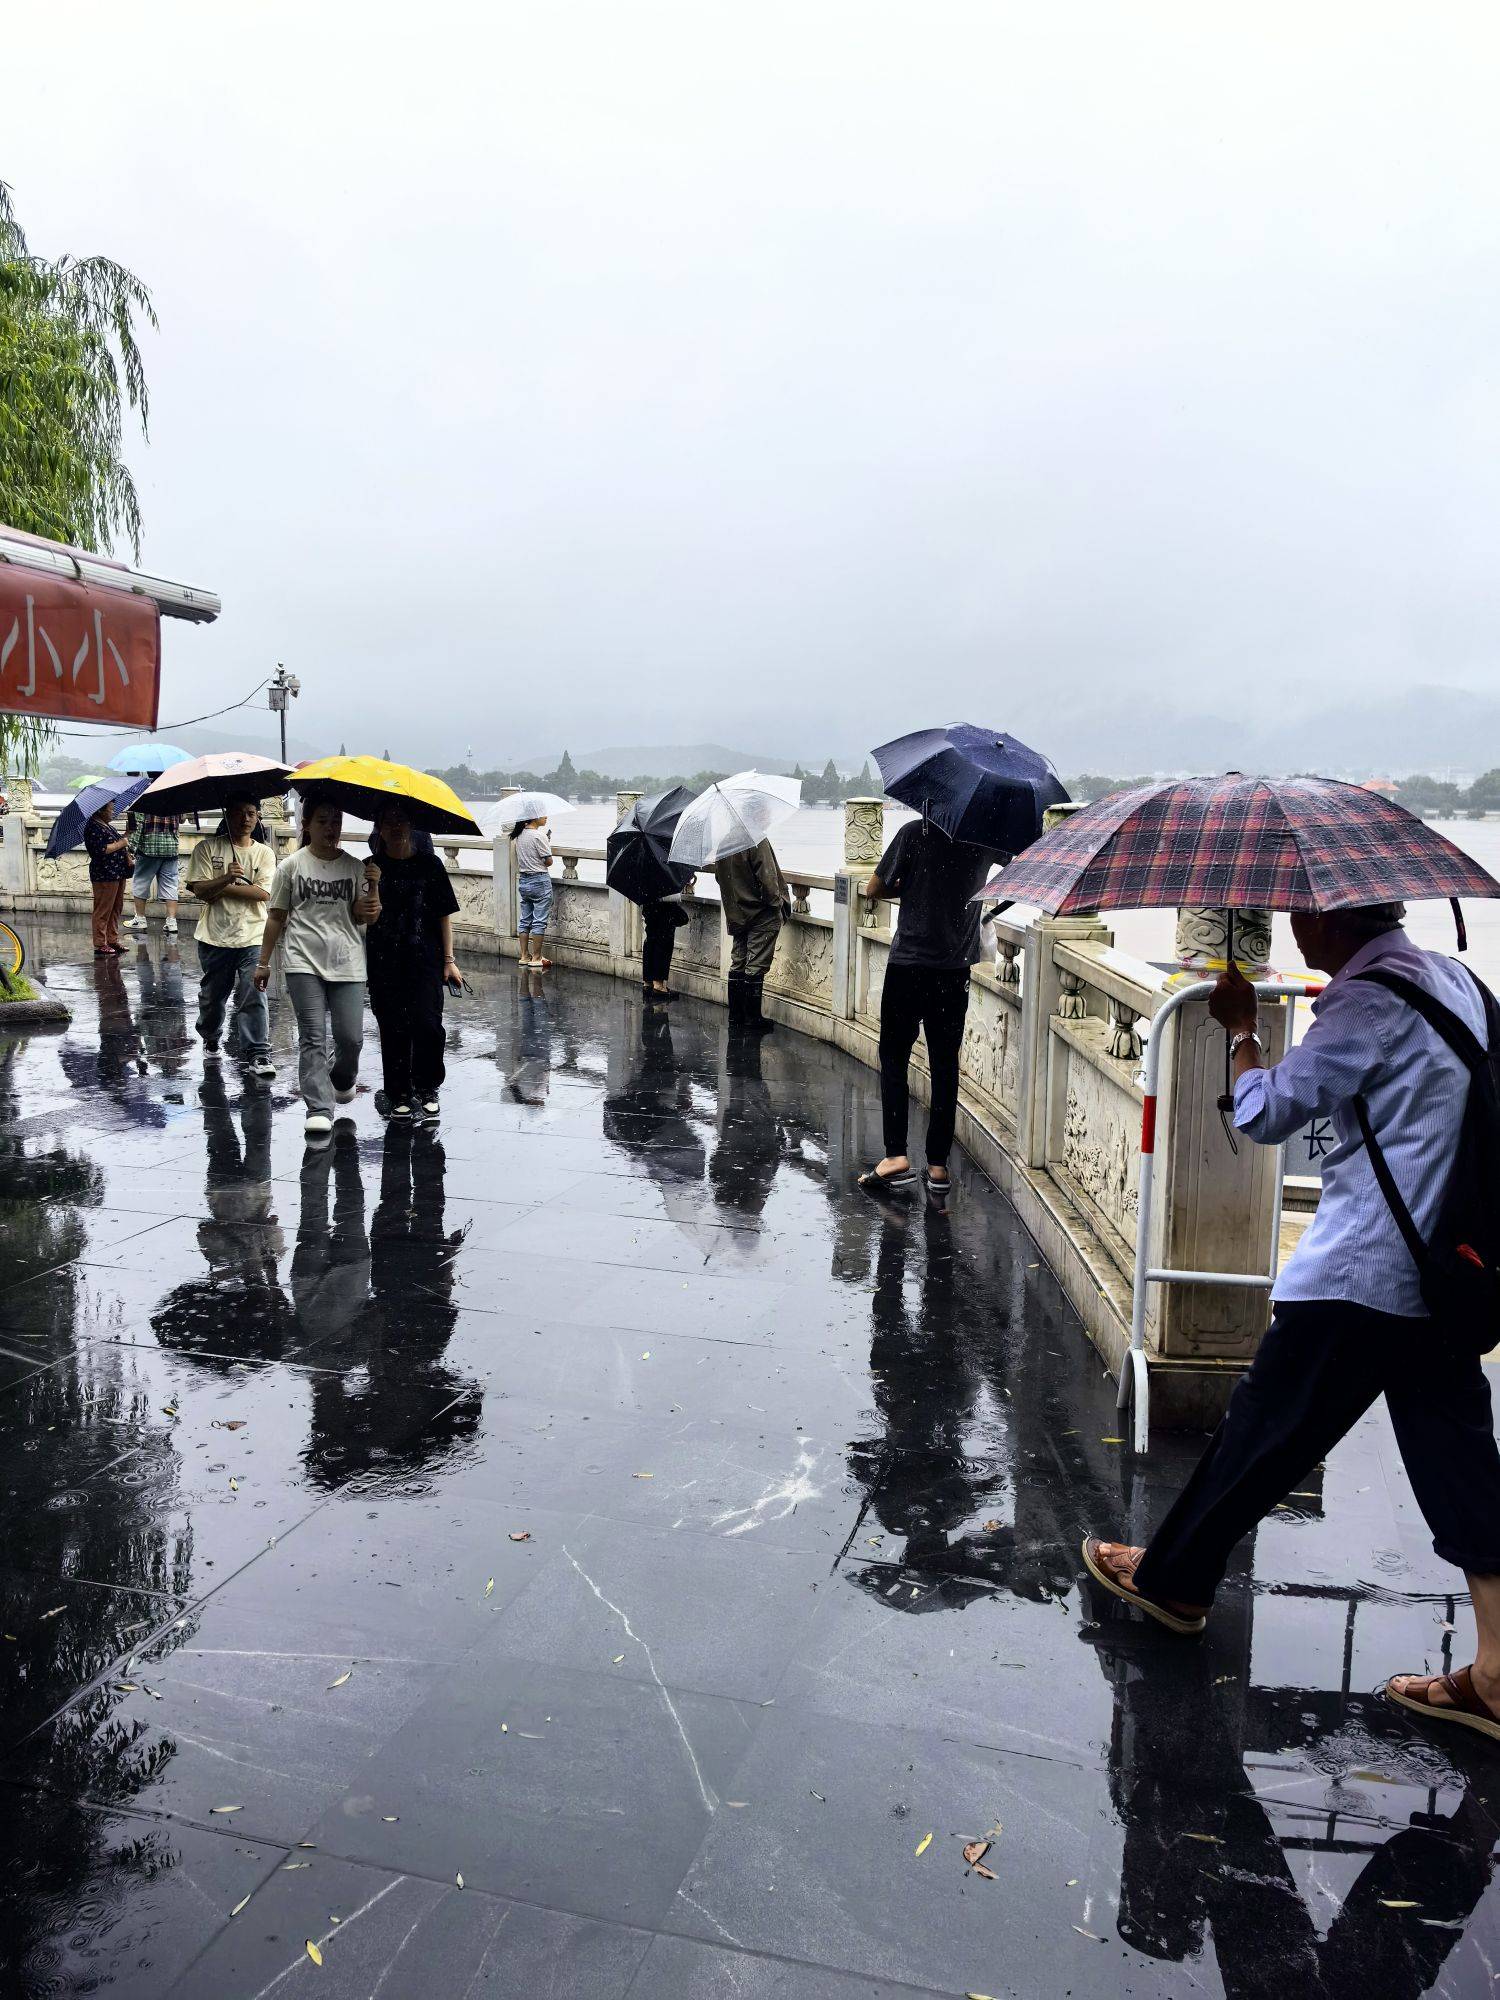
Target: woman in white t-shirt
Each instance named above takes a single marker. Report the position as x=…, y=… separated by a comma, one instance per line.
x=321, y=900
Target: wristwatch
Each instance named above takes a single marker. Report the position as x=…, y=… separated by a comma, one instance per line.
x=1237, y=1042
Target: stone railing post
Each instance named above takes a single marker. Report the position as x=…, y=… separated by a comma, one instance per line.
x=1047, y=990
x=17, y=855
x=507, y=913
x=864, y=842
x=626, y=931
x=1217, y=1207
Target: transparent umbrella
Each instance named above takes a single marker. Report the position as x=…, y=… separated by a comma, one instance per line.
x=530, y=805
x=733, y=816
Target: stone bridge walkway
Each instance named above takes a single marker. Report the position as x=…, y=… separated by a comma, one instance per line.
x=588, y=1550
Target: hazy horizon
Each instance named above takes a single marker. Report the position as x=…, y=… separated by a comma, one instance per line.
x=791, y=376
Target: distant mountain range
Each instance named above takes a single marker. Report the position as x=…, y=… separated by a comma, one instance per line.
x=1415, y=729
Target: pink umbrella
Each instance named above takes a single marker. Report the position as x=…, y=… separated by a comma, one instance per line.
x=207, y=784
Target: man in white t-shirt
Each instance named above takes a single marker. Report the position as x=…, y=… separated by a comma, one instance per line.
x=231, y=874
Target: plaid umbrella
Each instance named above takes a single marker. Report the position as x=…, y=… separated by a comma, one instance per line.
x=1240, y=843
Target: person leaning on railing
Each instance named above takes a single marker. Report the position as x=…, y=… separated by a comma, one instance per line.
x=754, y=895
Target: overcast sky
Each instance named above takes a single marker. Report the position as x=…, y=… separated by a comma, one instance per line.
x=789, y=374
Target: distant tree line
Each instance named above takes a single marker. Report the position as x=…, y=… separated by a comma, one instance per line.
x=1419, y=793
x=826, y=788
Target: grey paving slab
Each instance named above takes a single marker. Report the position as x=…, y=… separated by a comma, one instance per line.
x=796, y=1480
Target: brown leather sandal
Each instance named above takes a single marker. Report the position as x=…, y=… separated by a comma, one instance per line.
x=1467, y=1709
x=1105, y=1563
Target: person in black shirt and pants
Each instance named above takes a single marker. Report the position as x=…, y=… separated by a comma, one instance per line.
x=926, y=987
x=409, y=955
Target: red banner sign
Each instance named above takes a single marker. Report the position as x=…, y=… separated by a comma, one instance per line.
x=71, y=652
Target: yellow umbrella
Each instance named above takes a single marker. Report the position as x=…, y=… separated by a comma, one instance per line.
x=362, y=785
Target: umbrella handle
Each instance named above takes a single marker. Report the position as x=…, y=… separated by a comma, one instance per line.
x=1226, y=1101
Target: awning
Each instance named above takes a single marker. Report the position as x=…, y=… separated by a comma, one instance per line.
x=80, y=636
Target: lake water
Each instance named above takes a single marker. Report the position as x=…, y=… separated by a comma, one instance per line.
x=813, y=838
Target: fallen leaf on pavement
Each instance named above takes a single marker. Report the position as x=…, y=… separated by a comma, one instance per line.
x=226, y=1809
x=241, y=1904
x=1211, y=1839
x=643, y=1475
x=489, y=1588
x=520, y=1534
x=1398, y=1903
x=1094, y=1935
x=459, y=1880
x=288, y=1867
x=976, y=1850
x=987, y=1873
x=56, y=1612
x=313, y=1953
x=341, y=1679
x=617, y=1659
x=991, y=1526
x=924, y=1843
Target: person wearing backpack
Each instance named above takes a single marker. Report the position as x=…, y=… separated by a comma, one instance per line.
x=1394, y=1289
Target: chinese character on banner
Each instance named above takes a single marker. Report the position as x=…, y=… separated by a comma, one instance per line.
x=74, y=652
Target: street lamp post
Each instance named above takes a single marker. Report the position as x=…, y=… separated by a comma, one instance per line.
x=284, y=688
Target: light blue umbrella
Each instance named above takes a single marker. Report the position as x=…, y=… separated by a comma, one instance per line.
x=67, y=828
x=153, y=758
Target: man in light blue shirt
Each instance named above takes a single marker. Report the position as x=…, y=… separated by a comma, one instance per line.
x=1348, y=1319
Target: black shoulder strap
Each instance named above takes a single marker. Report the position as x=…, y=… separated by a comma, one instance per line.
x=1459, y=1036
x=1387, y=1182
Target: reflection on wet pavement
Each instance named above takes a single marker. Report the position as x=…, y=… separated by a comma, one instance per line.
x=596, y=1499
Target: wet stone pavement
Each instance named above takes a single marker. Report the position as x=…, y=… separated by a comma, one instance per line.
x=588, y=1550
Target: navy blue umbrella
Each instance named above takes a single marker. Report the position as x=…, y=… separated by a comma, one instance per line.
x=67, y=828
x=979, y=785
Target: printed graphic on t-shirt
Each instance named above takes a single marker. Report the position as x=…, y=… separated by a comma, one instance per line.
x=315, y=889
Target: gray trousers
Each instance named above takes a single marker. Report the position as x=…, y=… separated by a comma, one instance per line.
x=752, y=949
x=316, y=1002
x=229, y=974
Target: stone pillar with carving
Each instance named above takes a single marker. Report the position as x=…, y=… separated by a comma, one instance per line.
x=626, y=929
x=20, y=824
x=1202, y=942
x=864, y=843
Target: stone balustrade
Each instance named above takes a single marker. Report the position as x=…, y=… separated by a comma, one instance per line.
x=1050, y=1102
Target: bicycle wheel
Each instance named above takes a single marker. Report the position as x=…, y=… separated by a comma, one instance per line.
x=12, y=954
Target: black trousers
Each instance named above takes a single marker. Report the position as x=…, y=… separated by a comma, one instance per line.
x=661, y=921
x=408, y=1008
x=1320, y=1366
x=913, y=997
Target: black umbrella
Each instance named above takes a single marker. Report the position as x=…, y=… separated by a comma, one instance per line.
x=637, y=853
x=979, y=785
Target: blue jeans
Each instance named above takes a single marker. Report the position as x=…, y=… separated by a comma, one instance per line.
x=229, y=970
x=535, y=891
x=160, y=869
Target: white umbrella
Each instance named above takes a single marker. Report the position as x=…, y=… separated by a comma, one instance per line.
x=530, y=805
x=732, y=816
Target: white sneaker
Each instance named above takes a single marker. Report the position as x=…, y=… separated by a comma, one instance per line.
x=318, y=1126
x=347, y=1096
x=429, y=1107
x=265, y=1067
x=169, y=928
x=136, y=924
x=401, y=1111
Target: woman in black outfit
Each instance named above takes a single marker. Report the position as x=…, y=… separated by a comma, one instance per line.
x=664, y=918
x=409, y=956
x=926, y=987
